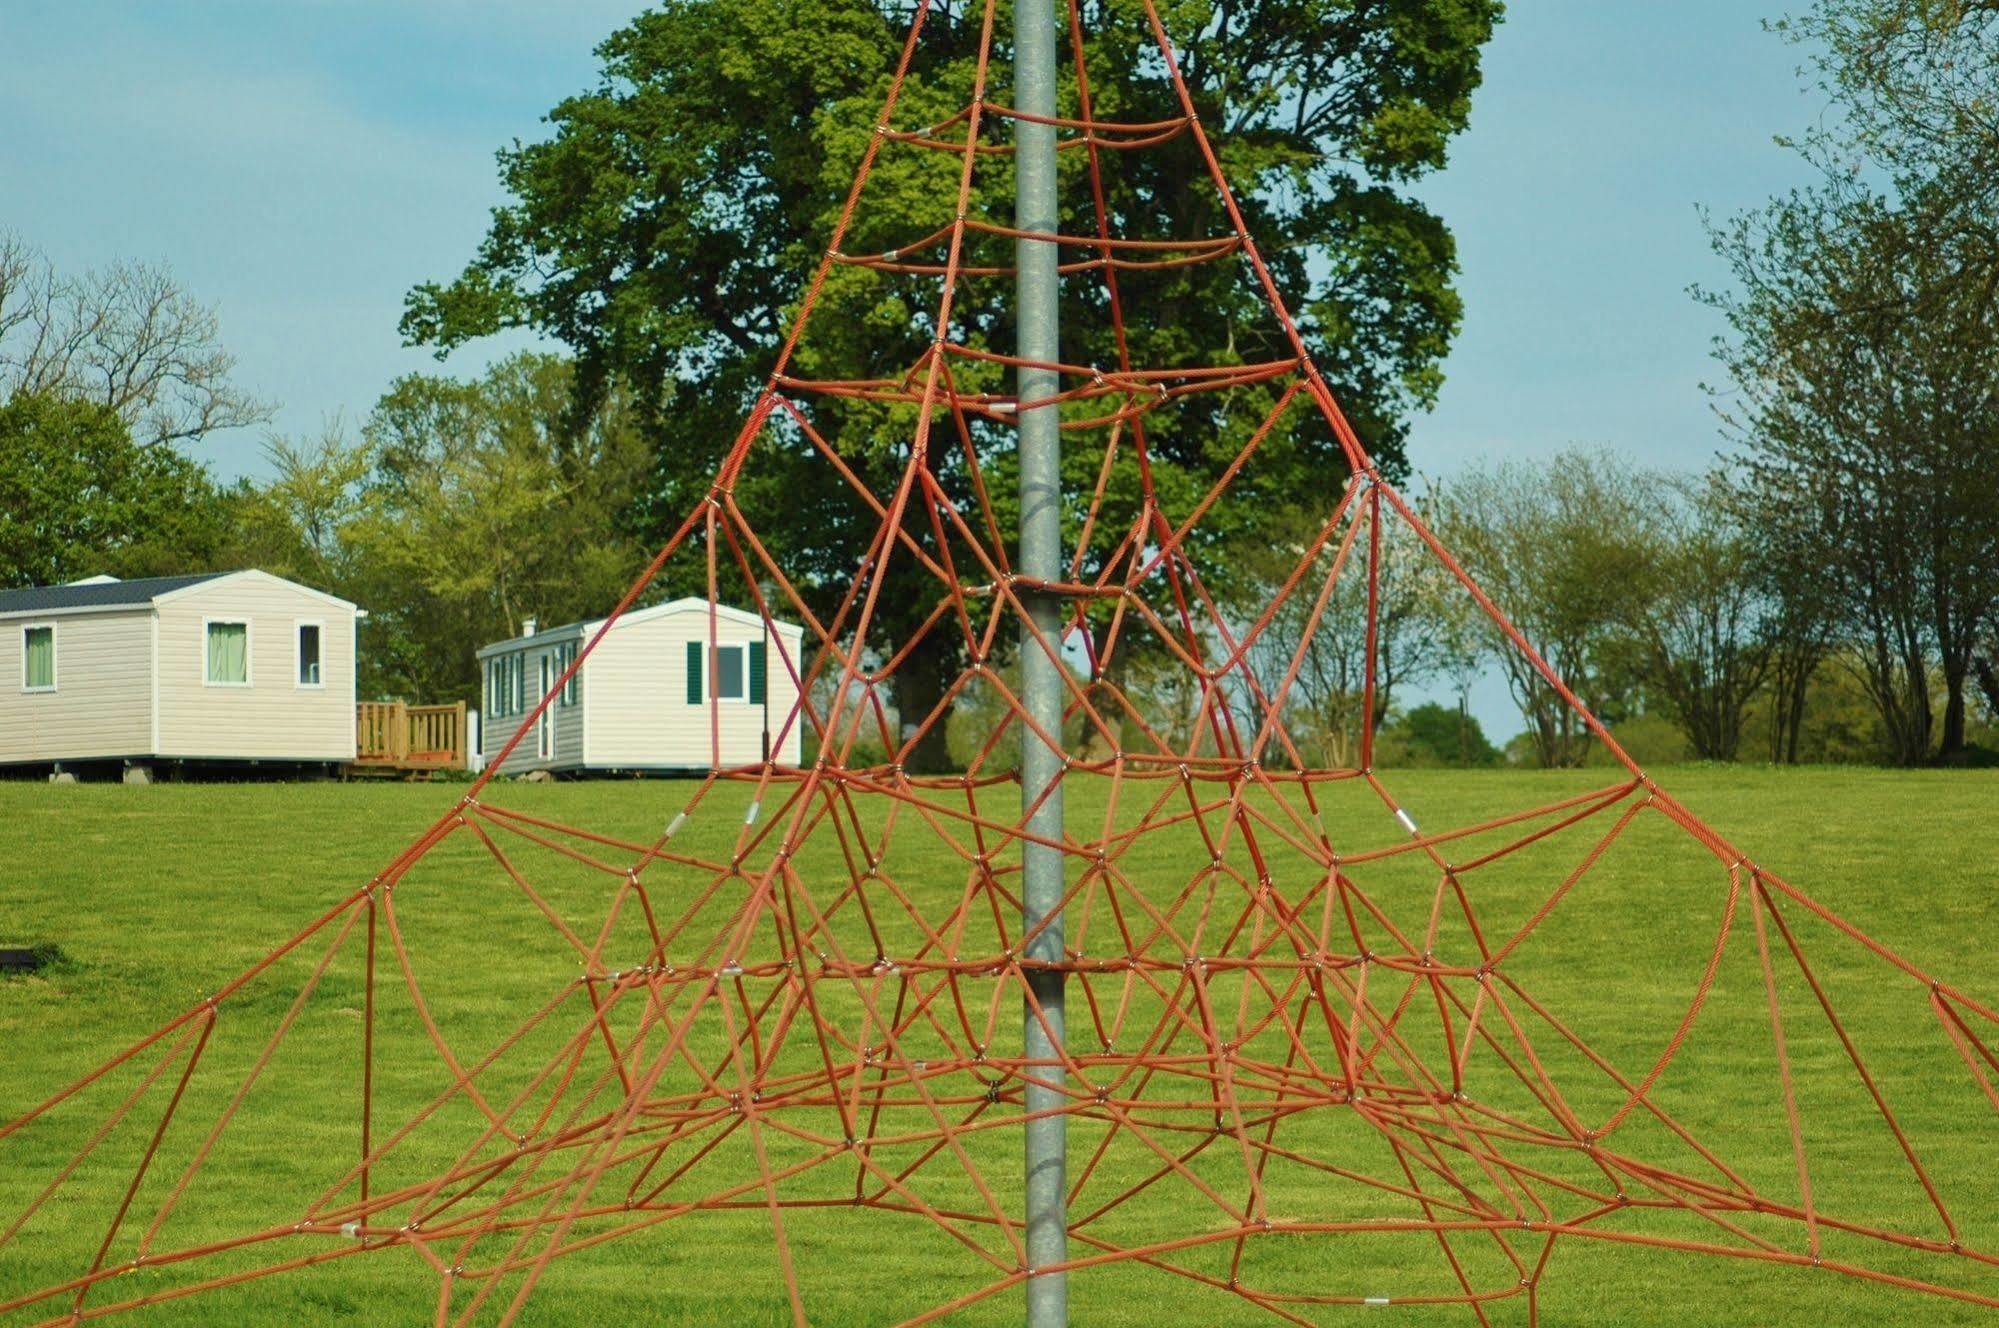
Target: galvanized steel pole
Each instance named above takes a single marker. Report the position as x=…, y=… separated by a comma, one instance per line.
x=1038, y=290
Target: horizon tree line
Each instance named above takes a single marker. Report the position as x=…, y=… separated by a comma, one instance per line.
x=1853, y=531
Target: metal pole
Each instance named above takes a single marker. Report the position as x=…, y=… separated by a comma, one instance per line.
x=1038, y=292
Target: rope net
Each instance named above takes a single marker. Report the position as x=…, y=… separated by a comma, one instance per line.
x=1302, y=1070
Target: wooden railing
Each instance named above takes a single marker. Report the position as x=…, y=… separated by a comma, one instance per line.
x=393, y=735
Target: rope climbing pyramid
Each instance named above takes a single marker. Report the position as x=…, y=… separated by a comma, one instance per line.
x=774, y=1025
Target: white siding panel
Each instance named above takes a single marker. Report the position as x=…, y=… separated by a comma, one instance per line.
x=273, y=718
x=639, y=713
x=102, y=705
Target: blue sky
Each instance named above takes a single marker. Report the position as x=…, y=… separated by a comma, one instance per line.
x=297, y=164
x=302, y=164
x=1601, y=127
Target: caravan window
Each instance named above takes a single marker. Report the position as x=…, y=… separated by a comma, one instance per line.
x=308, y=655
x=565, y=655
x=499, y=686
x=38, y=658
x=731, y=673
x=227, y=662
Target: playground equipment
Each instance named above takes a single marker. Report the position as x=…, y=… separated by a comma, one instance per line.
x=1276, y=1049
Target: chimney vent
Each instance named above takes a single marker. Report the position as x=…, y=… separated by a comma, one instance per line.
x=528, y=625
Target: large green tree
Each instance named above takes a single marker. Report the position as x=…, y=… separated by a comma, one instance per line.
x=1868, y=399
x=1916, y=86
x=663, y=229
x=78, y=497
x=482, y=509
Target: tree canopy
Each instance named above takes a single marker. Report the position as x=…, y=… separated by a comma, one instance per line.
x=464, y=507
x=1863, y=351
x=78, y=498
x=1568, y=549
x=1431, y=735
x=663, y=229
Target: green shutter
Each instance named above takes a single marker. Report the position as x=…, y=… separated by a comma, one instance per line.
x=695, y=649
x=756, y=672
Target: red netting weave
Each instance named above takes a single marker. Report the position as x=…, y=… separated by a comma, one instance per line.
x=775, y=1020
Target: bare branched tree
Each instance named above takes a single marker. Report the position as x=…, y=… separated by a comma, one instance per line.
x=1704, y=629
x=1421, y=629
x=1863, y=331
x=127, y=337
x=1570, y=547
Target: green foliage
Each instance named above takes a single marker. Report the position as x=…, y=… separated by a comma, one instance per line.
x=1434, y=735
x=78, y=497
x=1867, y=400
x=463, y=508
x=296, y=524
x=716, y=152
x=1916, y=83
x=1702, y=627
x=1423, y=624
x=1842, y=724
x=1648, y=737
x=662, y=230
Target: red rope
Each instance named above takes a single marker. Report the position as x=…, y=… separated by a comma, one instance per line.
x=789, y=995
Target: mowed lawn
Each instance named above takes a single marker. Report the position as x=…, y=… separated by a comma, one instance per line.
x=158, y=896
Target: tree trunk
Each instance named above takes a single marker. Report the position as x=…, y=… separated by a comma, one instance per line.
x=1988, y=681
x=1559, y=742
x=1794, y=721
x=1952, y=742
x=1790, y=684
x=920, y=683
x=1953, y=711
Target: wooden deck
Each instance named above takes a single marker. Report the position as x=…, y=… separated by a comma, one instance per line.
x=392, y=737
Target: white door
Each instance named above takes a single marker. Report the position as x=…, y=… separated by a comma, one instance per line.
x=544, y=729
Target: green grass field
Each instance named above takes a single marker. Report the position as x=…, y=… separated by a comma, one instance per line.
x=157, y=896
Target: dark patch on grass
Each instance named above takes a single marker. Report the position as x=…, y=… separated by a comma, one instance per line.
x=42, y=959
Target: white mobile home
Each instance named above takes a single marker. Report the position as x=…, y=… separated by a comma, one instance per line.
x=657, y=694
x=217, y=667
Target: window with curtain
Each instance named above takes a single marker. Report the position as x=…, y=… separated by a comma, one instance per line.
x=228, y=652
x=38, y=658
